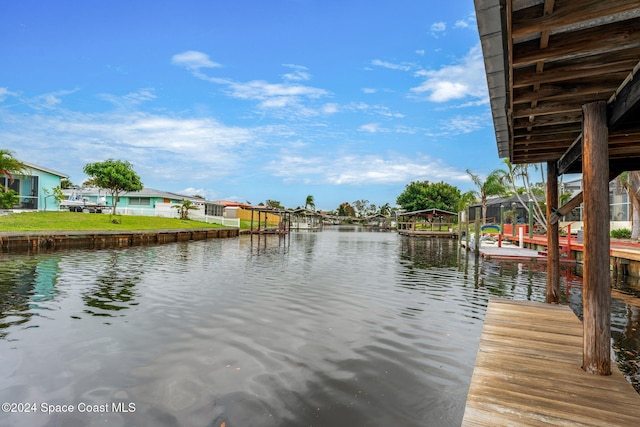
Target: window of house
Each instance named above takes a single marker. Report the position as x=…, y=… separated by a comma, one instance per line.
x=15, y=186
x=139, y=201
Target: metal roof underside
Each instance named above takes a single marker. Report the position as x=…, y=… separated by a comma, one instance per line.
x=544, y=59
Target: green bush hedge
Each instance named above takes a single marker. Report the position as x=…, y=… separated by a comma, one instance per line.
x=621, y=233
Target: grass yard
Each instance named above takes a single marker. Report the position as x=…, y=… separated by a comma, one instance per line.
x=76, y=221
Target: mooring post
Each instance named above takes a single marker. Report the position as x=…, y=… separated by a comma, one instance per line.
x=553, y=236
x=477, y=218
x=530, y=206
x=596, y=293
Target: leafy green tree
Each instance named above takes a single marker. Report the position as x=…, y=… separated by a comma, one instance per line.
x=275, y=204
x=55, y=192
x=116, y=176
x=8, y=199
x=345, y=209
x=420, y=195
x=385, y=209
x=492, y=185
x=360, y=207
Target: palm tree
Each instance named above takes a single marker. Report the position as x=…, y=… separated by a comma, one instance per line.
x=9, y=165
x=491, y=186
x=512, y=176
x=631, y=182
x=184, y=208
x=309, y=203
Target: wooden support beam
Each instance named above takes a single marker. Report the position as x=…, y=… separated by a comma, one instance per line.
x=626, y=103
x=553, y=237
x=572, y=155
x=578, y=198
x=596, y=292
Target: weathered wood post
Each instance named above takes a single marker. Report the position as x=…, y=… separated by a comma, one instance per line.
x=530, y=206
x=514, y=221
x=596, y=293
x=553, y=244
x=466, y=238
x=477, y=218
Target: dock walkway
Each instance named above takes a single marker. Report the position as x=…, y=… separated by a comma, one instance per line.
x=528, y=373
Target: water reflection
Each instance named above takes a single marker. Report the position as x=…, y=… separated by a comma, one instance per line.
x=113, y=288
x=330, y=328
x=26, y=284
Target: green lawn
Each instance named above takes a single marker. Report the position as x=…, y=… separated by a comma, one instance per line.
x=76, y=221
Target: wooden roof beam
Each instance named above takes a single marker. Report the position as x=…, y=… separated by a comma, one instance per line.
x=532, y=20
x=591, y=41
x=548, y=120
x=524, y=77
x=597, y=90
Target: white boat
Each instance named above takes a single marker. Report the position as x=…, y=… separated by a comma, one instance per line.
x=75, y=202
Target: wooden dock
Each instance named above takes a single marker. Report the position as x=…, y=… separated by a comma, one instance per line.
x=528, y=373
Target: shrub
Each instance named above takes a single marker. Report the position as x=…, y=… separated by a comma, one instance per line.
x=621, y=233
x=8, y=199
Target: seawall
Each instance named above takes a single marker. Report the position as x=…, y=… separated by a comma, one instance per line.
x=54, y=240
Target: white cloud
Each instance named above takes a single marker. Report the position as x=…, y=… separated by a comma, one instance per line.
x=468, y=22
x=457, y=81
x=130, y=99
x=194, y=60
x=330, y=108
x=370, y=127
x=369, y=90
x=438, y=27
x=5, y=93
x=162, y=146
x=385, y=64
x=420, y=52
x=374, y=109
x=298, y=73
x=350, y=169
x=288, y=96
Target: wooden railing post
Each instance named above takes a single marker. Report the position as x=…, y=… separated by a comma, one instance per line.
x=553, y=244
x=596, y=294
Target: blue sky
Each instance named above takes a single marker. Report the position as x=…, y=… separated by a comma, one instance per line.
x=250, y=100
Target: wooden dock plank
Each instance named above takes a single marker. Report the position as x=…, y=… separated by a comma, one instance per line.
x=528, y=373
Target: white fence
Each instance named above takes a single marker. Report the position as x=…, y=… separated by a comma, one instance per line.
x=166, y=210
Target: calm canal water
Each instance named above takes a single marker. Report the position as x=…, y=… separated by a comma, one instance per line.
x=337, y=328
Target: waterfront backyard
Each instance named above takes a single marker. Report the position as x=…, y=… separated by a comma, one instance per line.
x=341, y=327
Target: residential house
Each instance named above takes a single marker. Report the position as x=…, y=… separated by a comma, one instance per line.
x=35, y=187
x=151, y=202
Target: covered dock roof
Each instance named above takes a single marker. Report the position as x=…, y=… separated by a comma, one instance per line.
x=430, y=213
x=544, y=59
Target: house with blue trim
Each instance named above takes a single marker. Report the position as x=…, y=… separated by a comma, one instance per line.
x=35, y=187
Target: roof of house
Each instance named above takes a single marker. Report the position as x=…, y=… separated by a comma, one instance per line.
x=43, y=169
x=145, y=192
